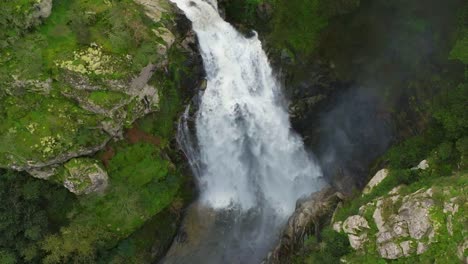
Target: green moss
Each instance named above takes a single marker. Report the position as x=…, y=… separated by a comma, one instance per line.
x=107, y=99
x=142, y=183
x=38, y=124
x=37, y=128
x=297, y=24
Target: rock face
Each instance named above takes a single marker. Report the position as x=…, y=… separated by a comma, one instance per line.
x=86, y=97
x=304, y=221
x=406, y=223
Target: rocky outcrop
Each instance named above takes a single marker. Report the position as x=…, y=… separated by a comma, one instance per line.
x=305, y=220
x=86, y=100
x=378, y=178
x=83, y=176
x=401, y=223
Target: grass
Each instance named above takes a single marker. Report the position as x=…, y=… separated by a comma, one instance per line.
x=37, y=128
x=107, y=99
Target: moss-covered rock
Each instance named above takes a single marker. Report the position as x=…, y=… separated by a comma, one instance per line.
x=76, y=81
x=425, y=224
x=83, y=176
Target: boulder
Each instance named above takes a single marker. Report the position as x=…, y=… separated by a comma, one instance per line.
x=84, y=176
x=423, y=165
x=378, y=178
x=42, y=10
x=355, y=227
x=355, y=224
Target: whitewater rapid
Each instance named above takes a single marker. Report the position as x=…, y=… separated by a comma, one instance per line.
x=245, y=156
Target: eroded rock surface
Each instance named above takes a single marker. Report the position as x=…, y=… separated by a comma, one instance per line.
x=308, y=214
x=407, y=223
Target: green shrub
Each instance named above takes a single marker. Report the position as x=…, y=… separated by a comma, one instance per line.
x=328, y=250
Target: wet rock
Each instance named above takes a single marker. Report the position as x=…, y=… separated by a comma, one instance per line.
x=308, y=213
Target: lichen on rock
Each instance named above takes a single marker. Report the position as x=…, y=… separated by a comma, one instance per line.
x=405, y=224
x=67, y=95
x=83, y=176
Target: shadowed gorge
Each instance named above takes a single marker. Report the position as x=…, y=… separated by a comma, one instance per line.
x=250, y=167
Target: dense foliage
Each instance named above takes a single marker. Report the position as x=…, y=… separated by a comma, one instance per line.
x=30, y=210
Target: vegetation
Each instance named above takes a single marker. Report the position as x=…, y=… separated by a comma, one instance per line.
x=92, y=42
x=143, y=184
x=108, y=42
x=30, y=210
x=43, y=116
x=327, y=250
x=443, y=143
x=294, y=26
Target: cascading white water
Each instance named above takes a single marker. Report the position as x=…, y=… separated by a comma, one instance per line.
x=248, y=158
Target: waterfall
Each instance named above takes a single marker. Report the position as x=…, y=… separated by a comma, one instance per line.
x=247, y=160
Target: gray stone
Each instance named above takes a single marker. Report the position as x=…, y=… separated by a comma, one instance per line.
x=42, y=9
x=377, y=216
x=423, y=165
x=461, y=251
x=421, y=248
x=355, y=224
x=43, y=173
x=406, y=247
x=357, y=241
x=390, y=250
x=416, y=214
x=376, y=180
x=84, y=176
x=337, y=226
x=383, y=237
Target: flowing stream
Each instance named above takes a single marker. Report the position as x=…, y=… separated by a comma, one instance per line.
x=250, y=167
